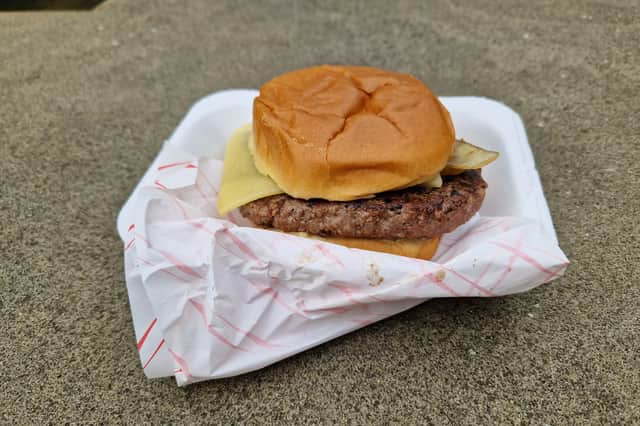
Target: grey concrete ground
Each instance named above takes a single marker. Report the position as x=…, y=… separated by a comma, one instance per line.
x=86, y=99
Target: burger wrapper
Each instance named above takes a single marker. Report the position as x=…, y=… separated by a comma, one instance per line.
x=212, y=297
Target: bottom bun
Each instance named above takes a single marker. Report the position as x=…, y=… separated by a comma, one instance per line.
x=418, y=248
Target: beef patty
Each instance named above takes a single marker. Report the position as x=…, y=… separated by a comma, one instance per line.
x=415, y=212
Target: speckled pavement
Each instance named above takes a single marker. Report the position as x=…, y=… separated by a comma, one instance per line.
x=86, y=98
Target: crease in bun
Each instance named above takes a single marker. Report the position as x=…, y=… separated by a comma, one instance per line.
x=342, y=133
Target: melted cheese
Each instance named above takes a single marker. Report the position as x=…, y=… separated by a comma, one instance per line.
x=434, y=182
x=241, y=181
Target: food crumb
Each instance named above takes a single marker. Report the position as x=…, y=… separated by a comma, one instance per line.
x=440, y=275
x=373, y=275
x=304, y=259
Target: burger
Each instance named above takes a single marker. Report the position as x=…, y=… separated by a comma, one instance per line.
x=357, y=156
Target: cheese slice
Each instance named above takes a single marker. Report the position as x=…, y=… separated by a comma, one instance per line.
x=241, y=181
x=434, y=182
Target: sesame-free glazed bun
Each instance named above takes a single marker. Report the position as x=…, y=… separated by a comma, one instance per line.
x=342, y=133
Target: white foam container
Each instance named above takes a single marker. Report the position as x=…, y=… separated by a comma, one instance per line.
x=164, y=328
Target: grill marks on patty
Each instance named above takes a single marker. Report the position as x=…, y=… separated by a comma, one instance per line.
x=411, y=213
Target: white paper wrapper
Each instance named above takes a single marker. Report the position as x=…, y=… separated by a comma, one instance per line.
x=212, y=298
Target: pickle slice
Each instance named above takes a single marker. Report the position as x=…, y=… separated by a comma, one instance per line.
x=467, y=156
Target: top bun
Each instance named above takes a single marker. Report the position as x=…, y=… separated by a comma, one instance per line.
x=342, y=133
